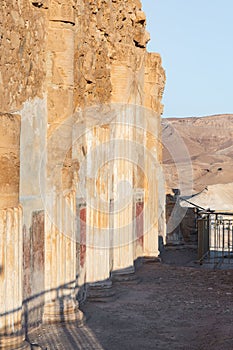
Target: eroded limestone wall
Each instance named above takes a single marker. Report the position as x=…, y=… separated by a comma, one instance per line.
x=59, y=58
x=108, y=33
x=22, y=61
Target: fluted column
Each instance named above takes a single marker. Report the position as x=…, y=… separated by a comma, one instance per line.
x=127, y=82
x=11, y=290
x=123, y=218
x=151, y=186
x=98, y=232
x=60, y=247
x=60, y=218
x=150, y=238
x=154, y=81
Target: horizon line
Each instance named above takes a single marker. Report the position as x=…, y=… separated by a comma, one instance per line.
x=196, y=116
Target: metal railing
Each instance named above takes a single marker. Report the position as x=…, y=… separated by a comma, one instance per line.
x=215, y=238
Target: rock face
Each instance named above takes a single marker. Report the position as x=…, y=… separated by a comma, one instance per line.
x=82, y=191
x=203, y=154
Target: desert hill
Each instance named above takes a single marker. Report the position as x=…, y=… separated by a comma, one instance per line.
x=198, y=151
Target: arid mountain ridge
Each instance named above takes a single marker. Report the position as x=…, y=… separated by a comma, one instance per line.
x=200, y=149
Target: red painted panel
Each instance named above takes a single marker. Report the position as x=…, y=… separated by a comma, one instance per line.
x=82, y=236
x=139, y=222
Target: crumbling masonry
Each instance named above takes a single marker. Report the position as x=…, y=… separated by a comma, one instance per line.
x=81, y=187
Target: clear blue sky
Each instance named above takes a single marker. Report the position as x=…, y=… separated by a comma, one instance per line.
x=195, y=40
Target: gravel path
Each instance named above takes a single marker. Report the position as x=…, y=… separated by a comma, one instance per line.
x=175, y=306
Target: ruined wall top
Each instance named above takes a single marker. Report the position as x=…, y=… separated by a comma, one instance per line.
x=22, y=46
x=107, y=33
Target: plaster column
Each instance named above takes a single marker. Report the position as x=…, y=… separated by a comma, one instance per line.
x=60, y=300
x=150, y=238
x=126, y=78
x=154, y=80
x=12, y=335
x=123, y=218
x=140, y=178
x=98, y=232
x=60, y=218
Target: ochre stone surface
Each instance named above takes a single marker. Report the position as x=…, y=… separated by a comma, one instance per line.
x=9, y=160
x=108, y=33
x=154, y=82
x=22, y=64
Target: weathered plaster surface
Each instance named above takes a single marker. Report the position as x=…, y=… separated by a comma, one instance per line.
x=9, y=159
x=64, y=161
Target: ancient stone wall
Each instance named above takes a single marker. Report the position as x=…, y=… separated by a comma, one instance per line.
x=80, y=104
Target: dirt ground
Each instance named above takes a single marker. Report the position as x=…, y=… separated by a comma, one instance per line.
x=176, y=305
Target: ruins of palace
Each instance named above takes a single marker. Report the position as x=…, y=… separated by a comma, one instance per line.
x=81, y=187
